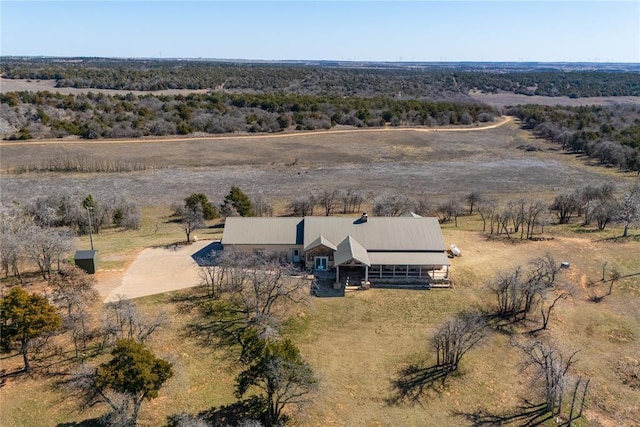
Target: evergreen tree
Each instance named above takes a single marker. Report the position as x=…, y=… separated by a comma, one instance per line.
x=240, y=202
x=23, y=318
x=135, y=372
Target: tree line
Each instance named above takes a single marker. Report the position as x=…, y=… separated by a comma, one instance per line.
x=608, y=134
x=421, y=81
x=522, y=218
x=40, y=233
x=96, y=115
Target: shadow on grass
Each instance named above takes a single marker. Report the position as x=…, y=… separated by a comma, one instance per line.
x=92, y=422
x=527, y=415
x=413, y=381
x=254, y=408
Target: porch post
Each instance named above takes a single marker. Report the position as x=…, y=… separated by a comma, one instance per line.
x=366, y=273
x=337, y=274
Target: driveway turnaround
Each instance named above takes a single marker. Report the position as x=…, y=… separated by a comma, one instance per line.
x=160, y=270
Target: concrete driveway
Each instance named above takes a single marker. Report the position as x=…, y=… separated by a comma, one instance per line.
x=160, y=270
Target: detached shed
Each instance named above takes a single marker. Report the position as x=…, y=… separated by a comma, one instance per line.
x=87, y=260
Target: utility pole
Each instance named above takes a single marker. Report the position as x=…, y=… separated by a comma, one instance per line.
x=89, y=209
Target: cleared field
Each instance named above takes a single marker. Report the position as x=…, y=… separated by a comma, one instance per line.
x=16, y=85
x=434, y=164
x=503, y=99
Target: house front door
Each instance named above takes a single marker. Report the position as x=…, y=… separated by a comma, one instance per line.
x=321, y=262
x=296, y=255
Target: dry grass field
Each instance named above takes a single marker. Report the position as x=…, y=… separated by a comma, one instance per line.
x=358, y=344
x=503, y=99
x=431, y=164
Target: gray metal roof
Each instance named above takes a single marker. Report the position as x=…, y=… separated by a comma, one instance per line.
x=408, y=258
x=85, y=254
x=349, y=249
x=379, y=233
x=321, y=241
x=262, y=231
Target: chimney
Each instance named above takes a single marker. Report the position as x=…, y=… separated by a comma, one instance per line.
x=363, y=217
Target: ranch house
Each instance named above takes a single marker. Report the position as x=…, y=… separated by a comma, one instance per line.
x=367, y=249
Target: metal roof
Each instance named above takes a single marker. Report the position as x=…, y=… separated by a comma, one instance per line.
x=262, y=231
x=379, y=233
x=321, y=241
x=85, y=254
x=408, y=258
x=349, y=249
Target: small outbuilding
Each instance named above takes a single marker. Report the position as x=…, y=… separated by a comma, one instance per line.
x=87, y=260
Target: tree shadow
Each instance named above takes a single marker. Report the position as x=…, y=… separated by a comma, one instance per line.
x=413, y=381
x=527, y=415
x=91, y=422
x=253, y=408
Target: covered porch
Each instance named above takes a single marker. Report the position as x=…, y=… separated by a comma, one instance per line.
x=394, y=268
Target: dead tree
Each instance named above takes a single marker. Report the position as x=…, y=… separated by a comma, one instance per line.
x=456, y=337
x=550, y=368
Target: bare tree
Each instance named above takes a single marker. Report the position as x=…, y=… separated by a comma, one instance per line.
x=593, y=196
x=259, y=289
x=452, y=208
x=487, y=210
x=517, y=214
x=328, y=200
x=351, y=201
x=261, y=207
x=519, y=292
x=550, y=368
x=191, y=218
x=392, y=205
x=532, y=216
x=303, y=206
x=547, y=306
x=74, y=291
x=13, y=241
x=506, y=289
x=44, y=246
x=456, y=337
x=565, y=205
x=122, y=320
x=473, y=199
x=629, y=208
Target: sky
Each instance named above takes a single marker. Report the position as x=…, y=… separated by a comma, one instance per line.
x=541, y=31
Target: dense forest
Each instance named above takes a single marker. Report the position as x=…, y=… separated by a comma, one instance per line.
x=96, y=115
x=275, y=97
x=419, y=81
x=609, y=134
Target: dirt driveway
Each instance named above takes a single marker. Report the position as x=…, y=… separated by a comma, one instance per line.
x=156, y=271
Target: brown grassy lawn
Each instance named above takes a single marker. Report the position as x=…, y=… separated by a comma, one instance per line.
x=358, y=344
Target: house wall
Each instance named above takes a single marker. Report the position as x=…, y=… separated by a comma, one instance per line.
x=283, y=251
x=319, y=251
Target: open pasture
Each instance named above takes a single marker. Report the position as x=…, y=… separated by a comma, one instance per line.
x=281, y=167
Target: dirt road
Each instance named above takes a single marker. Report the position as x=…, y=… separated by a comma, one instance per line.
x=502, y=121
